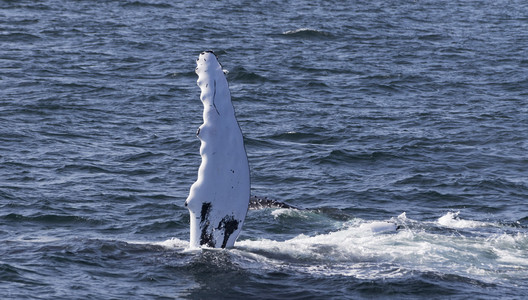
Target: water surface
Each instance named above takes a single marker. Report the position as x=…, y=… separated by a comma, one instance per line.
x=411, y=112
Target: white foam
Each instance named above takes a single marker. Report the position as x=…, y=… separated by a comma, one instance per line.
x=358, y=250
x=288, y=212
x=379, y=226
x=452, y=220
x=37, y=239
x=402, y=217
x=173, y=243
x=511, y=249
x=350, y=243
x=304, y=30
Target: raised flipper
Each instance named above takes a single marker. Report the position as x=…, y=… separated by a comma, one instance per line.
x=218, y=200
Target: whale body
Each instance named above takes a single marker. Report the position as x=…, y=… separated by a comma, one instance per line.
x=218, y=200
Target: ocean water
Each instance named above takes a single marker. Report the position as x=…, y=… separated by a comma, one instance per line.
x=359, y=112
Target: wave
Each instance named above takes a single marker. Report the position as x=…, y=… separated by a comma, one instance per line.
x=348, y=251
x=180, y=73
x=523, y=222
x=338, y=157
x=145, y=156
x=307, y=33
x=358, y=249
x=503, y=185
x=374, y=249
x=172, y=243
x=19, y=37
x=51, y=219
x=303, y=137
x=240, y=74
x=142, y=4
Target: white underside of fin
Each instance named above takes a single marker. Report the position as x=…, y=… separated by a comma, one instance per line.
x=218, y=200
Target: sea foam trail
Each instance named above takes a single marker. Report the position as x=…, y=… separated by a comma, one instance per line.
x=356, y=245
x=360, y=250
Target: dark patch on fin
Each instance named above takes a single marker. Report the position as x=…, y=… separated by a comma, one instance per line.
x=229, y=225
x=263, y=202
x=204, y=213
x=209, y=51
x=214, y=97
x=212, y=52
x=205, y=237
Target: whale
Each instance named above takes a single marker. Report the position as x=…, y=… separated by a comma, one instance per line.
x=258, y=202
x=218, y=200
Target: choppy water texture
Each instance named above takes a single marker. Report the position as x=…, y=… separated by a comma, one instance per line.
x=413, y=112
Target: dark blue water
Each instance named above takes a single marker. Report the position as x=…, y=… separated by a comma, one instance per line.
x=413, y=112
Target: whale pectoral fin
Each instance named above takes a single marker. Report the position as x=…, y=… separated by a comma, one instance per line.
x=218, y=200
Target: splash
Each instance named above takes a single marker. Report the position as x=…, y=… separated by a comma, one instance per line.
x=361, y=251
x=451, y=220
